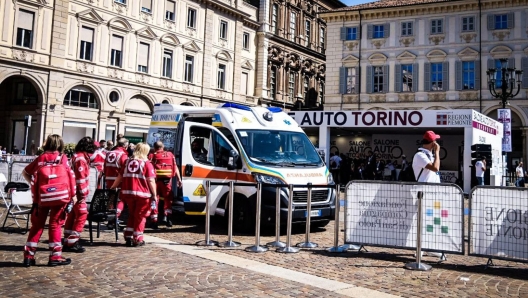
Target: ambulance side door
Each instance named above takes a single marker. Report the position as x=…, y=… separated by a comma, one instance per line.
x=205, y=156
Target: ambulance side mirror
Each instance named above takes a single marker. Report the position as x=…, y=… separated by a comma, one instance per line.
x=233, y=160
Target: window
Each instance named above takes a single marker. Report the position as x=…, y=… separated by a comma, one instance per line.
x=378, y=79
x=307, y=32
x=85, y=51
x=80, y=97
x=468, y=75
x=167, y=64
x=306, y=86
x=223, y=29
x=274, y=16
x=500, y=21
x=322, y=39
x=437, y=27
x=170, y=8
x=245, y=41
x=407, y=29
x=293, y=26
x=468, y=24
x=437, y=79
x=498, y=73
x=114, y=96
x=189, y=69
x=211, y=148
x=116, y=51
x=291, y=84
x=351, y=80
x=25, y=93
x=146, y=6
x=378, y=31
x=191, y=18
x=273, y=82
x=405, y=78
x=25, y=29
x=244, y=83
x=221, y=76
x=143, y=57
x=351, y=33
x=121, y=1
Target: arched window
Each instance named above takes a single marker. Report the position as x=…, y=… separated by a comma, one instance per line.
x=81, y=97
x=139, y=106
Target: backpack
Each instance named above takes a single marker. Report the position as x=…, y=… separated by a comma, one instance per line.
x=53, y=184
x=163, y=164
x=409, y=172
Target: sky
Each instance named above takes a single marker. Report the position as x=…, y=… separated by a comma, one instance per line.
x=355, y=2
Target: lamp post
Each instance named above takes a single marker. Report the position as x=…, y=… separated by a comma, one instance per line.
x=509, y=77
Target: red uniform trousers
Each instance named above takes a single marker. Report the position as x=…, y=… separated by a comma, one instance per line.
x=164, y=190
x=138, y=209
x=120, y=204
x=38, y=220
x=75, y=222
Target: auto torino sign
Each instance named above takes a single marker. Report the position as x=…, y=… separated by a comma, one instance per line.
x=385, y=118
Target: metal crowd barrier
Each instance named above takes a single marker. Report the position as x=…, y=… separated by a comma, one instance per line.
x=498, y=224
x=421, y=216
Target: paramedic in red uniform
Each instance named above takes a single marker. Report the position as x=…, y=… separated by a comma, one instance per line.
x=77, y=218
x=52, y=153
x=97, y=160
x=138, y=191
x=165, y=167
x=114, y=162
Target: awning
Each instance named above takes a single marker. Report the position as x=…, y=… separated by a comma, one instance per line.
x=79, y=124
x=136, y=129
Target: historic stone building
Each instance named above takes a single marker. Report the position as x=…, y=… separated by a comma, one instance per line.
x=97, y=67
x=291, y=52
x=433, y=54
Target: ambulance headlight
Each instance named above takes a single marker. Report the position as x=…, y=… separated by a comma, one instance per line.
x=330, y=179
x=261, y=178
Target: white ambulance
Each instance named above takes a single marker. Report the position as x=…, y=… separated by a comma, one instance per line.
x=243, y=144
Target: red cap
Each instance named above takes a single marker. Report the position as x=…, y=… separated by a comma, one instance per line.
x=431, y=136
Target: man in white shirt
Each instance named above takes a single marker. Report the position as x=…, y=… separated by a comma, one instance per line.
x=520, y=175
x=480, y=169
x=426, y=164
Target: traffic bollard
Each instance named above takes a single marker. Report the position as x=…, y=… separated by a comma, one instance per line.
x=418, y=265
x=230, y=242
x=336, y=248
x=207, y=241
x=288, y=248
x=307, y=243
x=257, y=247
x=277, y=242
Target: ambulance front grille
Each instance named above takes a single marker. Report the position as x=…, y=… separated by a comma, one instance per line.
x=318, y=196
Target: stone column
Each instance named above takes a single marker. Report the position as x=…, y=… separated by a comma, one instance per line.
x=207, y=63
x=524, y=131
x=261, y=83
x=59, y=36
x=237, y=63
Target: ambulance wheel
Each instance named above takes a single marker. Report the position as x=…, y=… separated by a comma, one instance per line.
x=243, y=218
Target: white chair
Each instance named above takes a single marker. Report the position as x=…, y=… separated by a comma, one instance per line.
x=24, y=201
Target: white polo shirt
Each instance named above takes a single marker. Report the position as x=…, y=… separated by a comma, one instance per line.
x=478, y=169
x=420, y=160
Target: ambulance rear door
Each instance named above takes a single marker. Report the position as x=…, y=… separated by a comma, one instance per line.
x=205, y=155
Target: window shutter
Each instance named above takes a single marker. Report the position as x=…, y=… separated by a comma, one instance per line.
x=342, y=80
x=385, y=79
x=117, y=43
x=477, y=75
x=370, y=31
x=386, y=30
x=398, y=78
x=491, y=22
x=510, y=20
x=25, y=20
x=143, y=54
x=87, y=34
x=524, y=67
x=511, y=62
x=343, y=33
x=170, y=6
x=445, y=76
x=415, y=77
x=357, y=80
x=458, y=75
x=369, y=79
x=427, y=77
x=146, y=4
x=491, y=63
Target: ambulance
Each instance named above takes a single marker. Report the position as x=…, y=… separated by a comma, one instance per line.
x=234, y=142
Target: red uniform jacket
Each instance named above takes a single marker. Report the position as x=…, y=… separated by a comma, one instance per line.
x=135, y=174
x=97, y=159
x=81, y=168
x=114, y=161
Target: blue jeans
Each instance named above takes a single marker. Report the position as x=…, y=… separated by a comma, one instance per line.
x=480, y=180
x=519, y=182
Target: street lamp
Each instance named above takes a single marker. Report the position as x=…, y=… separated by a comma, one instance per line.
x=509, y=76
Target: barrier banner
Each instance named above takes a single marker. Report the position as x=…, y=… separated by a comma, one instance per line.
x=17, y=167
x=499, y=222
x=93, y=184
x=4, y=169
x=385, y=214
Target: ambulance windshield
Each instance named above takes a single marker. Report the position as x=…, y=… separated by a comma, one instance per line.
x=280, y=148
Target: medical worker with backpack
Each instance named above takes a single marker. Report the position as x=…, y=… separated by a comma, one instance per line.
x=53, y=188
x=165, y=166
x=77, y=218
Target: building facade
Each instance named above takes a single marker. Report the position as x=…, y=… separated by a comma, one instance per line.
x=428, y=55
x=97, y=67
x=291, y=53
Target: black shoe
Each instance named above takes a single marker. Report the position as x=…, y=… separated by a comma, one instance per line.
x=29, y=262
x=77, y=248
x=60, y=262
x=154, y=225
x=128, y=243
x=140, y=243
x=169, y=223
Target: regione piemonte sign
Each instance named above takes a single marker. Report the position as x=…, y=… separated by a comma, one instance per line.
x=505, y=119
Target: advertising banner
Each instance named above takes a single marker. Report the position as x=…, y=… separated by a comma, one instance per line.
x=16, y=171
x=385, y=214
x=499, y=222
x=93, y=184
x=505, y=119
